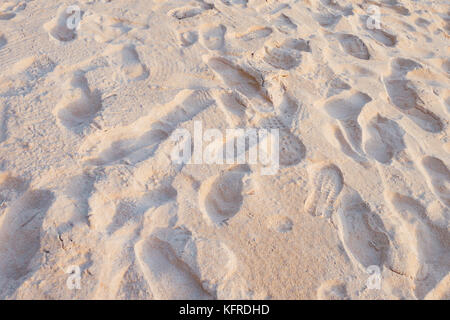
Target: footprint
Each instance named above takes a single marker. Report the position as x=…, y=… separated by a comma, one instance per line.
x=326, y=182
x=126, y=59
x=415, y=243
x=79, y=190
x=138, y=141
x=3, y=40
x=255, y=32
x=441, y=291
x=216, y=266
x=383, y=37
x=234, y=108
x=7, y=15
x=386, y=139
x=292, y=150
x=379, y=35
x=213, y=37
x=240, y=80
x=3, y=124
x=57, y=28
x=284, y=24
x=190, y=11
x=80, y=105
x=421, y=22
x=25, y=74
x=336, y=86
x=169, y=277
x=157, y=197
x=20, y=231
x=11, y=188
x=105, y=29
x=287, y=55
x=327, y=20
x=235, y=2
x=334, y=135
x=188, y=38
x=357, y=230
x=335, y=5
x=402, y=94
x=438, y=178
x=395, y=6
x=354, y=46
x=346, y=108
x=220, y=197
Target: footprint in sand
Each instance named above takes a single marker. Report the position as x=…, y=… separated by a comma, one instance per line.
x=404, y=97
x=326, y=182
x=20, y=230
x=190, y=11
x=168, y=276
x=235, y=2
x=255, y=32
x=234, y=108
x=126, y=59
x=242, y=81
x=213, y=37
x=3, y=121
x=287, y=55
x=188, y=38
x=415, y=242
x=284, y=24
x=383, y=37
x=402, y=94
x=138, y=141
x=3, y=40
x=80, y=105
x=357, y=227
x=335, y=137
x=346, y=108
x=220, y=197
x=441, y=291
x=292, y=149
x=7, y=15
x=11, y=188
x=354, y=46
x=385, y=139
x=185, y=12
x=395, y=6
x=437, y=176
x=178, y=265
x=327, y=20
x=58, y=27
x=25, y=74
x=336, y=6
x=379, y=35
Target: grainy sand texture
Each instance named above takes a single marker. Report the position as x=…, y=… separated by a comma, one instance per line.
x=94, y=95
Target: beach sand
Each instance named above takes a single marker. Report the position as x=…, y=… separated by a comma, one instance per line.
x=92, y=205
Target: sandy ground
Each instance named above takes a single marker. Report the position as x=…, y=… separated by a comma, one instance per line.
x=92, y=205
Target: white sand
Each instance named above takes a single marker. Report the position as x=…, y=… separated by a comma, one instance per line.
x=86, y=179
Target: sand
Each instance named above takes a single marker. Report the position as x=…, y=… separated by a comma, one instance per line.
x=92, y=205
